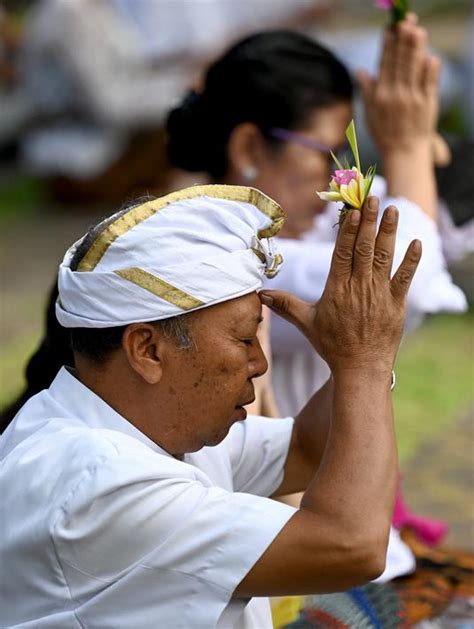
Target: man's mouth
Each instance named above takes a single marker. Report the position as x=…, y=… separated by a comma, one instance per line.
x=251, y=400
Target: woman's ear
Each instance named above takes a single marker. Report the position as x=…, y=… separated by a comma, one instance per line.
x=143, y=346
x=246, y=152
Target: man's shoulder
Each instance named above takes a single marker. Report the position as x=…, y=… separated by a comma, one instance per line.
x=65, y=452
x=59, y=470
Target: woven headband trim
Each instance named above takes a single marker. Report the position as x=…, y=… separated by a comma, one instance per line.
x=139, y=213
x=160, y=288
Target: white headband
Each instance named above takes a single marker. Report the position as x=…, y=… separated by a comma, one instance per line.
x=189, y=250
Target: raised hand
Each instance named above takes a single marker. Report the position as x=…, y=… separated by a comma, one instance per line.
x=401, y=103
x=359, y=319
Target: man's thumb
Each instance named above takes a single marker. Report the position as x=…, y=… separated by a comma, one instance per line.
x=288, y=306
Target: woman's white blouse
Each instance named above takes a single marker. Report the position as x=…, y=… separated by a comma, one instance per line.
x=297, y=370
x=102, y=528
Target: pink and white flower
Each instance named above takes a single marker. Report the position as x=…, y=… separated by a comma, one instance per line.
x=348, y=185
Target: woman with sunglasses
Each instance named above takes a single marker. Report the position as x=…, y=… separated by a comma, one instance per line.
x=269, y=114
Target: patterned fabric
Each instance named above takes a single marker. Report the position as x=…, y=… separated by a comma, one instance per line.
x=442, y=585
x=439, y=595
x=371, y=606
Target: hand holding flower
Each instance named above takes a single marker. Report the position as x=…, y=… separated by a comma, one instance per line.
x=401, y=109
x=401, y=103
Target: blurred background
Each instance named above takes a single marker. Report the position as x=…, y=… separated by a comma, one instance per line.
x=85, y=86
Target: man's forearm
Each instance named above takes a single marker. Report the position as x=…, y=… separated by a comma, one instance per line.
x=360, y=457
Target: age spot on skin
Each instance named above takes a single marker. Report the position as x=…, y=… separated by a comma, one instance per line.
x=199, y=380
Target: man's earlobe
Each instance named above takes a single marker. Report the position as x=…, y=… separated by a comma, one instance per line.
x=141, y=344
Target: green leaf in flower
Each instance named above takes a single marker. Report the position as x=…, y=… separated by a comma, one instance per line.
x=345, y=161
x=399, y=10
x=352, y=138
x=338, y=163
x=369, y=176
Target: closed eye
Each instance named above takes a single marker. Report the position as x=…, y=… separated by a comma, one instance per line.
x=248, y=342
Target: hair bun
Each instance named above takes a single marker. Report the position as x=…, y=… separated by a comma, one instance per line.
x=186, y=127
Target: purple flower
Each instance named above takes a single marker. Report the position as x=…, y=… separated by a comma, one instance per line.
x=383, y=4
x=344, y=177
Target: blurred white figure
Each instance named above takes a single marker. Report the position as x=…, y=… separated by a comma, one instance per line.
x=98, y=70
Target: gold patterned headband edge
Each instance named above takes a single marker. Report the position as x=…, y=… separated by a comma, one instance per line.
x=160, y=288
x=139, y=213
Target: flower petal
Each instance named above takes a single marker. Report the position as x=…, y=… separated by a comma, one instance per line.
x=350, y=196
x=361, y=183
x=354, y=191
x=330, y=196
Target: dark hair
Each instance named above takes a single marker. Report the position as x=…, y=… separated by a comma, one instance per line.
x=273, y=79
x=455, y=181
x=53, y=352
x=98, y=343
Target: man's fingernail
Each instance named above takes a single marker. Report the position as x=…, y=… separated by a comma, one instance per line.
x=354, y=217
x=391, y=214
x=372, y=203
x=417, y=246
x=266, y=299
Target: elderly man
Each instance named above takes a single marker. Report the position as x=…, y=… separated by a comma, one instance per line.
x=135, y=493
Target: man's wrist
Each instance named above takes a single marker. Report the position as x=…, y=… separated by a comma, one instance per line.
x=367, y=373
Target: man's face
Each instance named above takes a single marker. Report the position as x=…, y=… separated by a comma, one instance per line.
x=207, y=386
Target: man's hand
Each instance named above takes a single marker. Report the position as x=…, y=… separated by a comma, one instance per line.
x=331, y=543
x=358, y=321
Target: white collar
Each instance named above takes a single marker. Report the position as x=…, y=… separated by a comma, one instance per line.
x=91, y=410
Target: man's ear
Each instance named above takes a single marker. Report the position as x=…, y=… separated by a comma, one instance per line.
x=246, y=151
x=143, y=346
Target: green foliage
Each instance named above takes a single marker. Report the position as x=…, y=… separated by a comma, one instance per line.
x=12, y=365
x=435, y=380
x=454, y=121
x=20, y=194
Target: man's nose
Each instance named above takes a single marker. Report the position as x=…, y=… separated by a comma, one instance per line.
x=258, y=362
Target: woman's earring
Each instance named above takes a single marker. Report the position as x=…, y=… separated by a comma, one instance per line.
x=249, y=173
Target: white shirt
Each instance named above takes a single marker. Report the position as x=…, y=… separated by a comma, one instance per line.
x=102, y=528
x=297, y=370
